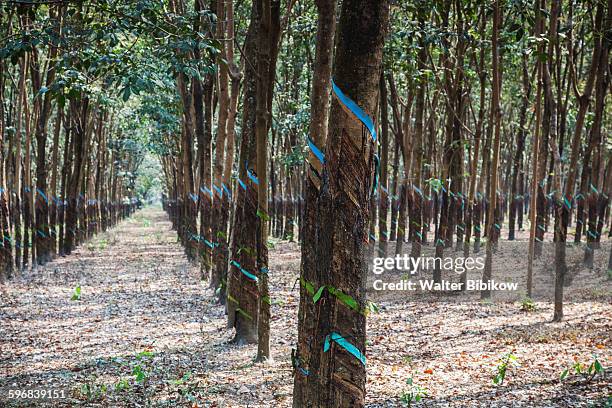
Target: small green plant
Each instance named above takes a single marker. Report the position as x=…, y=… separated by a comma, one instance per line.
x=184, y=388
x=76, y=295
x=528, y=305
x=102, y=244
x=146, y=223
x=122, y=385
x=92, y=391
x=141, y=370
x=588, y=373
x=414, y=393
x=507, y=361
x=139, y=373
x=371, y=307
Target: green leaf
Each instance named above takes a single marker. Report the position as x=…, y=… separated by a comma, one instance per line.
x=598, y=366
x=145, y=353
x=245, y=314
x=76, y=295
x=372, y=307
x=308, y=286
x=344, y=298
x=591, y=369
x=317, y=295
x=126, y=94
x=564, y=374
x=263, y=215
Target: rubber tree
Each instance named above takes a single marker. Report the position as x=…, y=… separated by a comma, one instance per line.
x=319, y=115
x=496, y=121
x=335, y=371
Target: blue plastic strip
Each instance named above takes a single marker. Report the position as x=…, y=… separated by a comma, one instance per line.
x=252, y=176
x=194, y=197
x=218, y=190
x=244, y=271
x=418, y=190
x=206, y=190
x=242, y=184
x=43, y=195
x=341, y=341
x=229, y=193
x=356, y=110
x=315, y=150
x=567, y=203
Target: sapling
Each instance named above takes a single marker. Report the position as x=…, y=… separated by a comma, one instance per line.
x=507, y=361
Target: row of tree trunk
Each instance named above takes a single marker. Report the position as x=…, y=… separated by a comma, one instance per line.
x=419, y=161
x=61, y=164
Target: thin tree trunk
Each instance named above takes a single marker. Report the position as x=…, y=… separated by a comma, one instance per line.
x=496, y=121
x=319, y=105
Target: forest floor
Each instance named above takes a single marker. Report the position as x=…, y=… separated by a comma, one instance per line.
x=147, y=332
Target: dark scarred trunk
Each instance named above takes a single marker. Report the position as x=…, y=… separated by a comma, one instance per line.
x=336, y=376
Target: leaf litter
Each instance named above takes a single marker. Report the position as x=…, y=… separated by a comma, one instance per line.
x=143, y=330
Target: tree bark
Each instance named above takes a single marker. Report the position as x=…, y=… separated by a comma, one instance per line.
x=336, y=376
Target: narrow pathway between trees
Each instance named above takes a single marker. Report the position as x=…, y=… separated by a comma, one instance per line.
x=146, y=332
x=145, y=329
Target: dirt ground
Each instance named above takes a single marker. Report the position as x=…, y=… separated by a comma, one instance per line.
x=147, y=332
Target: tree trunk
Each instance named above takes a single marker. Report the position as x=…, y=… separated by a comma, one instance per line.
x=319, y=105
x=242, y=290
x=492, y=224
x=383, y=194
x=337, y=342
x=222, y=252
